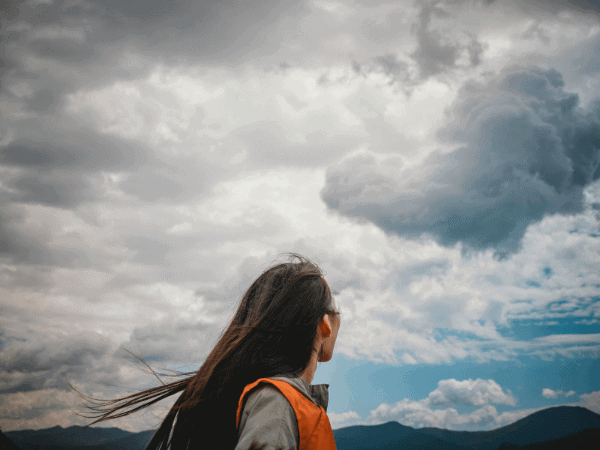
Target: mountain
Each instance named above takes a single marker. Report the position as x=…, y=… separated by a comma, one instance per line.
x=553, y=428
x=134, y=442
x=548, y=424
x=387, y=436
x=74, y=437
x=6, y=443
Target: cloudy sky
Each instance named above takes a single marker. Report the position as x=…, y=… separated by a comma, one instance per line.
x=439, y=159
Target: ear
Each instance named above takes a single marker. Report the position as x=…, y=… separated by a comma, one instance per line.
x=325, y=326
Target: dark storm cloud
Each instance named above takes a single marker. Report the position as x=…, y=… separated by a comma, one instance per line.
x=73, y=35
x=395, y=69
x=584, y=4
x=183, y=342
x=52, y=50
x=54, y=159
x=40, y=362
x=582, y=60
x=55, y=162
x=51, y=144
x=97, y=33
x=555, y=6
x=55, y=190
x=527, y=150
x=437, y=51
x=32, y=245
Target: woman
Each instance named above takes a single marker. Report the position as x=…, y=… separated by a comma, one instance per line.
x=254, y=389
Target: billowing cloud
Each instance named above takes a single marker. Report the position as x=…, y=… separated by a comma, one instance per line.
x=50, y=361
x=591, y=401
x=345, y=417
x=453, y=393
x=438, y=51
x=555, y=6
x=188, y=341
x=468, y=393
x=417, y=415
x=549, y=393
x=54, y=152
x=55, y=161
x=526, y=150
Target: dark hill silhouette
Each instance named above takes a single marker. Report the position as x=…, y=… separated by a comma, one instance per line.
x=135, y=441
x=584, y=440
x=388, y=436
x=552, y=426
x=57, y=438
x=548, y=424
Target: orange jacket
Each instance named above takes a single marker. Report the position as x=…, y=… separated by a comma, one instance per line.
x=314, y=428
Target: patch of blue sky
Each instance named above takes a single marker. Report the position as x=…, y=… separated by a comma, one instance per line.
x=592, y=234
x=534, y=282
x=530, y=329
x=12, y=338
x=572, y=307
x=361, y=386
x=546, y=273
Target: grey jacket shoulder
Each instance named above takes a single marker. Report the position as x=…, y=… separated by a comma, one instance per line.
x=268, y=420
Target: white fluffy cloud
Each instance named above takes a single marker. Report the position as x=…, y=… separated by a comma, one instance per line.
x=417, y=415
x=549, y=393
x=452, y=393
x=344, y=418
x=591, y=401
x=468, y=393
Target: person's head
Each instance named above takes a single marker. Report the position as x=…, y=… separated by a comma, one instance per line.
x=285, y=316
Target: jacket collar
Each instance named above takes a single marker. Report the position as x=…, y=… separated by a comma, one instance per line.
x=317, y=393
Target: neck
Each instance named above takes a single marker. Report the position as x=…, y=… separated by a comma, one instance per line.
x=309, y=372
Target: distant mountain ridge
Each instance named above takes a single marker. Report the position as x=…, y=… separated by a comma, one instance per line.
x=76, y=437
x=388, y=436
x=570, y=427
x=545, y=425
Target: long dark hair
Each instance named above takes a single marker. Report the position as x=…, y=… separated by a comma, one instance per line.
x=272, y=332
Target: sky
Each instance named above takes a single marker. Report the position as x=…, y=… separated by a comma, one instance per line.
x=440, y=161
